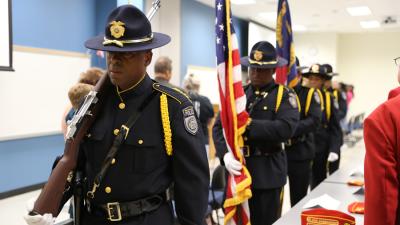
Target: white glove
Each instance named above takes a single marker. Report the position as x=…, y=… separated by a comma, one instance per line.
x=231, y=164
x=333, y=157
x=46, y=219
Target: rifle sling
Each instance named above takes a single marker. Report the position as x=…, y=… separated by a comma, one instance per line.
x=118, y=141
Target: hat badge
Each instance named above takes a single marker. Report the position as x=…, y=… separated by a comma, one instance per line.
x=315, y=69
x=258, y=55
x=117, y=29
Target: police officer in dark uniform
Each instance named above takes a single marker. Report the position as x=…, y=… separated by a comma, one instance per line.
x=163, y=146
x=328, y=135
x=274, y=115
x=300, y=149
x=340, y=99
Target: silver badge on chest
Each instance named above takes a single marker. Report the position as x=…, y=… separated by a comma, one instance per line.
x=293, y=100
x=317, y=98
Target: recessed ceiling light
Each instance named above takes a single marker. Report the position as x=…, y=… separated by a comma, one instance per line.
x=243, y=2
x=370, y=24
x=298, y=28
x=359, y=11
x=270, y=16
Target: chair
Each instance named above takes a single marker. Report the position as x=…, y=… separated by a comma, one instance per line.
x=216, y=192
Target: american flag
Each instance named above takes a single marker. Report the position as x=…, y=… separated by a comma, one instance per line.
x=233, y=113
x=286, y=75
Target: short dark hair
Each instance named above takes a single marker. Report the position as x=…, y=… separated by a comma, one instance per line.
x=163, y=65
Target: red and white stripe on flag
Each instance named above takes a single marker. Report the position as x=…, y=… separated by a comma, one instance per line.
x=234, y=117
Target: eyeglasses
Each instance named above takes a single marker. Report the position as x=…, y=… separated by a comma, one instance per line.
x=397, y=61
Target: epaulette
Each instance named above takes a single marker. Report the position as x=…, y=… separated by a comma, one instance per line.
x=173, y=93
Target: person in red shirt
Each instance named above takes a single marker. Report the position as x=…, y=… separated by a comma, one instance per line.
x=382, y=164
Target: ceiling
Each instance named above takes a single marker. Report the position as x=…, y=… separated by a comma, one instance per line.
x=321, y=15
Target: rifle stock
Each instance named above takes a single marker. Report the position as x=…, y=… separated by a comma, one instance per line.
x=49, y=200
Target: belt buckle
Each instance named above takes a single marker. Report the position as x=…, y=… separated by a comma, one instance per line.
x=125, y=129
x=114, y=211
x=246, y=151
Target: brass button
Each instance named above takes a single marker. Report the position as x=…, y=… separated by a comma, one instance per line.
x=257, y=92
x=265, y=108
x=88, y=135
x=108, y=190
x=245, y=138
x=116, y=131
x=113, y=161
x=121, y=105
x=140, y=141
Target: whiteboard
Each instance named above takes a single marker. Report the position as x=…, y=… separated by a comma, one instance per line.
x=208, y=81
x=34, y=97
x=5, y=34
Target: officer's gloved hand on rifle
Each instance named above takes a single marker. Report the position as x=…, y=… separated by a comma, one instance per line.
x=333, y=157
x=46, y=219
x=231, y=164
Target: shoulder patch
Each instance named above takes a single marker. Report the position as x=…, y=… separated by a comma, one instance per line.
x=335, y=104
x=179, y=96
x=344, y=96
x=190, y=120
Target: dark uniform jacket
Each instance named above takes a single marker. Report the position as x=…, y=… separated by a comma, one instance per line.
x=301, y=146
x=329, y=132
x=142, y=167
x=265, y=135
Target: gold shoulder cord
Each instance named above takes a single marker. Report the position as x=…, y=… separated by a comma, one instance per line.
x=279, y=98
x=328, y=105
x=309, y=98
x=166, y=124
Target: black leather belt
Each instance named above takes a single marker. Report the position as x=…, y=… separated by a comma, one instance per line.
x=257, y=151
x=117, y=211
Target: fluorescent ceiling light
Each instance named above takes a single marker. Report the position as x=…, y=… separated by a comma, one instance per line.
x=359, y=11
x=299, y=28
x=370, y=24
x=243, y=2
x=270, y=16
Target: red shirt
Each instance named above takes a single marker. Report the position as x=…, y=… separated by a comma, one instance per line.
x=382, y=164
x=393, y=93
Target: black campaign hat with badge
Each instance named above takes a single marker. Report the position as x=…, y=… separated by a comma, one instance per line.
x=317, y=70
x=329, y=70
x=127, y=30
x=263, y=56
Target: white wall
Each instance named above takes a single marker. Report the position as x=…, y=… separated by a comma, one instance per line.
x=366, y=60
x=316, y=48
x=167, y=20
x=259, y=33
